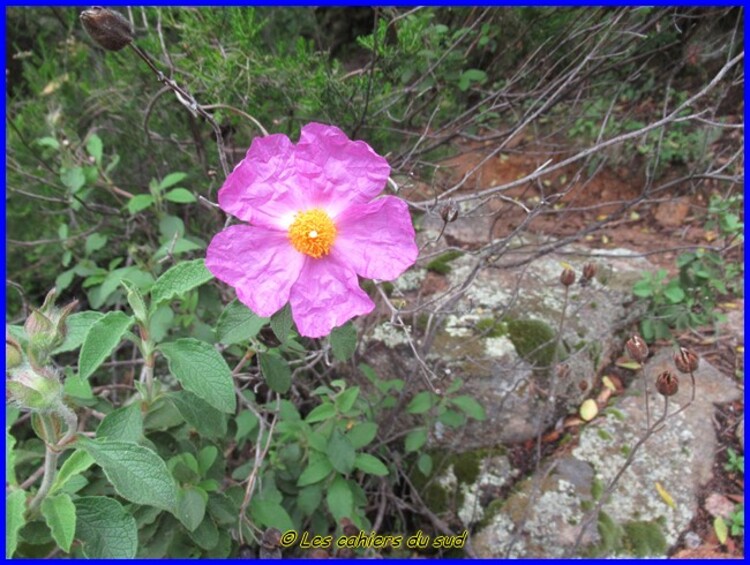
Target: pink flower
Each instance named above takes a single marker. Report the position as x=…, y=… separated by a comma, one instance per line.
x=315, y=224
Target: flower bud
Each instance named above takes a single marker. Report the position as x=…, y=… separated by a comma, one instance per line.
x=567, y=277
x=36, y=324
x=28, y=389
x=667, y=383
x=637, y=348
x=111, y=30
x=686, y=360
x=589, y=271
x=449, y=213
x=13, y=355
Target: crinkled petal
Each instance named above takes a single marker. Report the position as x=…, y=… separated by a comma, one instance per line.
x=263, y=188
x=259, y=263
x=339, y=171
x=326, y=295
x=376, y=239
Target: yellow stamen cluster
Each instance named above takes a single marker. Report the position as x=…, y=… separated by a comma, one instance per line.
x=312, y=233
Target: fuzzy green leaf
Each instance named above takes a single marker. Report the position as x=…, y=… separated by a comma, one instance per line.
x=123, y=424
x=344, y=341
x=276, y=372
x=60, y=514
x=178, y=280
x=137, y=473
x=201, y=370
x=370, y=464
x=15, y=506
x=102, y=337
x=105, y=528
x=238, y=323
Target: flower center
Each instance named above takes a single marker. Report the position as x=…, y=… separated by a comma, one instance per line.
x=312, y=233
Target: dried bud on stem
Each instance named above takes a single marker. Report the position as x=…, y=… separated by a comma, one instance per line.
x=449, y=213
x=637, y=348
x=589, y=272
x=686, y=360
x=110, y=29
x=667, y=383
x=567, y=277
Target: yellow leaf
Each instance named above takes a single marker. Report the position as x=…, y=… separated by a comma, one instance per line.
x=720, y=527
x=601, y=217
x=635, y=215
x=566, y=265
x=607, y=382
x=665, y=496
x=54, y=84
x=605, y=239
x=709, y=236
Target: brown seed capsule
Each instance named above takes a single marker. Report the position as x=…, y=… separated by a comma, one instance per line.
x=589, y=271
x=567, y=277
x=637, y=348
x=271, y=538
x=686, y=360
x=318, y=554
x=111, y=30
x=449, y=213
x=667, y=383
x=348, y=527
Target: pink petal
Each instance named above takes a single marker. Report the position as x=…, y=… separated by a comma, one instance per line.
x=339, y=171
x=264, y=188
x=376, y=239
x=259, y=263
x=326, y=295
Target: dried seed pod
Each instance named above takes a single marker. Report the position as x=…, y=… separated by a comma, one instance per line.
x=567, y=277
x=449, y=213
x=686, y=360
x=637, y=348
x=589, y=271
x=271, y=538
x=318, y=553
x=111, y=30
x=348, y=527
x=667, y=383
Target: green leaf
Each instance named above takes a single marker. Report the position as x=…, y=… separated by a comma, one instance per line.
x=60, y=514
x=346, y=399
x=206, y=458
x=276, y=372
x=209, y=421
x=720, y=527
x=74, y=465
x=73, y=179
x=470, y=407
x=15, y=506
x=309, y=498
x=674, y=292
x=102, y=337
x=452, y=419
x=191, y=507
x=238, y=323
x=643, y=289
x=10, y=457
x=246, y=422
x=424, y=463
x=201, y=370
x=95, y=242
x=421, y=403
x=171, y=180
x=136, y=301
x=370, y=464
x=123, y=424
x=344, y=341
x=105, y=528
x=362, y=434
x=321, y=412
x=206, y=535
x=178, y=280
x=180, y=196
x=137, y=473
x=339, y=499
x=95, y=147
x=281, y=323
x=50, y=142
x=77, y=326
x=140, y=202
x=415, y=439
x=78, y=388
x=270, y=514
x=318, y=468
x=340, y=452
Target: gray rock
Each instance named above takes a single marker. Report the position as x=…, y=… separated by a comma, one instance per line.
x=482, y=332
x=638, y=518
